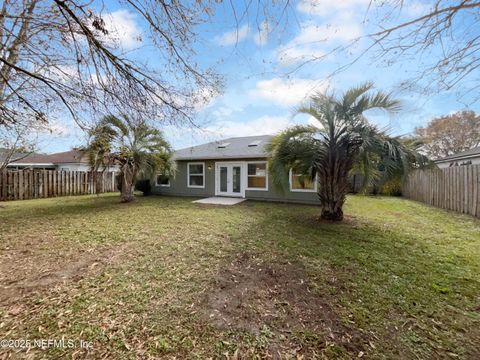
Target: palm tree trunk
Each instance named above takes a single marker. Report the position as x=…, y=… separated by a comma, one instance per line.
x=332, y=198
x=127, y=186
x=331, y=212
x=333, y=188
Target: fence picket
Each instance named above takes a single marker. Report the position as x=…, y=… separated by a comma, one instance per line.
x=35, y=183
x=455, y=188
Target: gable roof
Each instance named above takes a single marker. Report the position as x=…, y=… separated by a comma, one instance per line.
x=231, y=148
x=461, y=155
x=67, y=157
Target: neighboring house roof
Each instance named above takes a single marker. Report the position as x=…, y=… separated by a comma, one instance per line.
x=233, y=148
x=67, y=157
x=475, y=152
x=17, y=155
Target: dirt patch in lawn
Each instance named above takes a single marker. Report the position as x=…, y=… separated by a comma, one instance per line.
x=276, y=299
x=24, y=271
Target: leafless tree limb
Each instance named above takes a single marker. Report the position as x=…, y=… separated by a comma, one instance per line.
x=443, y=45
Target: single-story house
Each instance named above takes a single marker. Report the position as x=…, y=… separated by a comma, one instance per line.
x=73, y=160
x=235, y=167
x=468, y=157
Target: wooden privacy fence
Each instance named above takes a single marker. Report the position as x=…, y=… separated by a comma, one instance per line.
x=33, y=184
x=456, y=188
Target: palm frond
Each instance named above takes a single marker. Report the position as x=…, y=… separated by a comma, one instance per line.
x=378, y=100
x=294, y=147
x=361, y=98
x=135, y=146
x=114, y=123
x=351, y=96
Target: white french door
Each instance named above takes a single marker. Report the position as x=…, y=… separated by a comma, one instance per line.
x=229, y=179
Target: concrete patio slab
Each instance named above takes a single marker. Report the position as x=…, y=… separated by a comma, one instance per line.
x=217, y=200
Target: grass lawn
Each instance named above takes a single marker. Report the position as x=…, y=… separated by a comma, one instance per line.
x=166, y=278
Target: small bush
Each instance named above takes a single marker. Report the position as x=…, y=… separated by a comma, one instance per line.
x=144, y=186
x=392, y=187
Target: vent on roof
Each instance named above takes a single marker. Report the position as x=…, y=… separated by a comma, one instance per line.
x=223, y=145
x=254, y=143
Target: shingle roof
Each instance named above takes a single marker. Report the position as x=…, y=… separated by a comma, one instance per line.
x=72, y=156
x=232, y=148
x=461, y=155
x=17, y=155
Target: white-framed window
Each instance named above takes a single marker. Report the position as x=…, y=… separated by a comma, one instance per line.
x=302, y=182
x=257, y=175
x=196, y=175
x=162, y=180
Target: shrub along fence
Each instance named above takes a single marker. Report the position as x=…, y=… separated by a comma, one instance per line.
x=456, y=188
x=33, y=184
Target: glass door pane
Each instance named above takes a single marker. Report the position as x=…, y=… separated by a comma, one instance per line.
x=223, y=179
x=236, y=178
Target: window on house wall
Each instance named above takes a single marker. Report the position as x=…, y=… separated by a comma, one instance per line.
x=163, y=180
x=302, y=182
x=196, y=175
x=257, y=175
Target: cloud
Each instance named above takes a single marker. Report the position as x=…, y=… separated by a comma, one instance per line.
x=223, y=112
x=312, y=32
x=261, y=37
x=328, y=7
x=240, y=34
x=198, y=100
x=416, y=9
x=56, y=129
x=314, y=40
x=62, y=73
x=59, y=129
x=286, y=92
x=264, y=125
x=123, y=29
x=221, y=129
x=334, y=23
x=314, y=122
x=233, y=37
x=291, y=55
x=204, y=98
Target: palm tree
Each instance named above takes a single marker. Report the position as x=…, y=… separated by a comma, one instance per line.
x=139, y=150
x=342, y=141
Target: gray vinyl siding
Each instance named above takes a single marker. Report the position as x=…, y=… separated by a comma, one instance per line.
x=178, y=186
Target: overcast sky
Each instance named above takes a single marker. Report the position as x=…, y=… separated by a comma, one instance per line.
x=263, y=82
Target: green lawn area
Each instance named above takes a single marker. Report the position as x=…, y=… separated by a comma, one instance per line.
x=166, y=278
